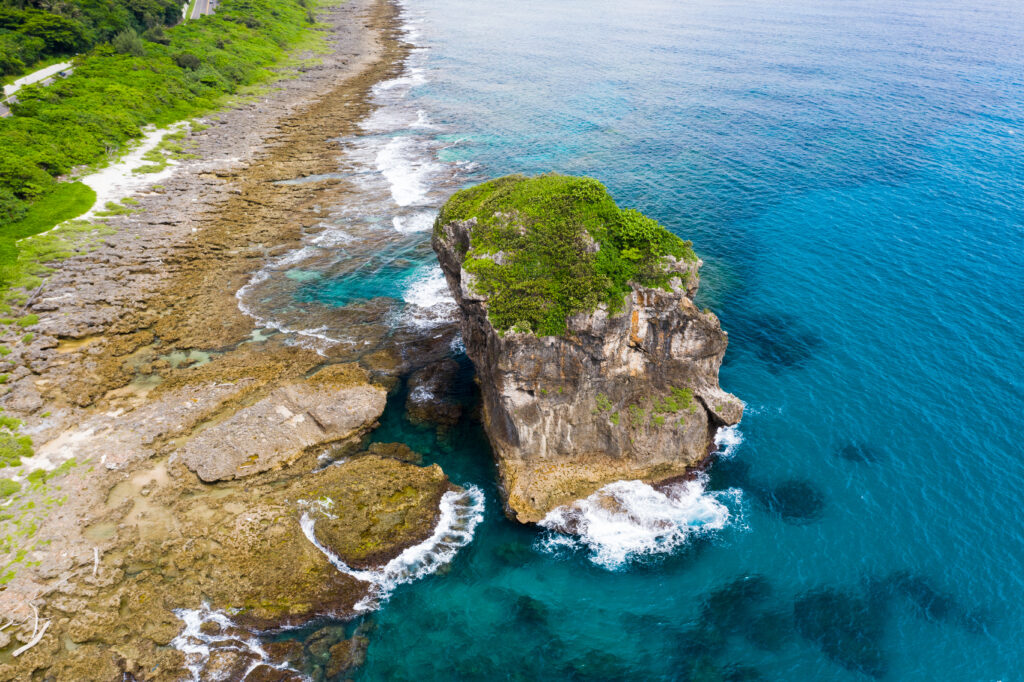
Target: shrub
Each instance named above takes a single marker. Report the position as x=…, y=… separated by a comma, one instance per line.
x=155, y=34
x=187, y=60
x=129, y=42
x=546, y=228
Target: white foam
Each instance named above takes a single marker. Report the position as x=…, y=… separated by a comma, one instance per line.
x=428, y=289
x=410, y=79
x=627, y=520
x=405, y=173
x=197, y=645
x=422, y=120
x=727, y=440
x=429, y=301
x=417, y=222
x=460, y=513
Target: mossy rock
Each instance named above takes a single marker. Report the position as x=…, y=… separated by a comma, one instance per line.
x=379, y=507
x=546, y=248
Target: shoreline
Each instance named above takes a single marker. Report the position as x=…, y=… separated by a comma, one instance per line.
x=141, y=345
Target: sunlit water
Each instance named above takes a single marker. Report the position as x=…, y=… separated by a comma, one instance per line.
x=852, y=175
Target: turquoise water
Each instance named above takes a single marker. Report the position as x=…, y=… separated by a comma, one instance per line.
x=852, y=174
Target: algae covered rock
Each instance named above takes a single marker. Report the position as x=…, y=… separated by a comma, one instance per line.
x=263, y=568
x=594, y=362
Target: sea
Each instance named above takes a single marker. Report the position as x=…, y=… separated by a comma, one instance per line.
x=851, y=172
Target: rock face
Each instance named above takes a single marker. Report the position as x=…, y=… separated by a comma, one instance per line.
x=629, y=395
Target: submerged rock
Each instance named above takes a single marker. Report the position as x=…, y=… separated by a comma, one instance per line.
x=366, y=511
x=594, y=363
x=429, y=394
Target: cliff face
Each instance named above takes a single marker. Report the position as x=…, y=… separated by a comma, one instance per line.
x=626, y=395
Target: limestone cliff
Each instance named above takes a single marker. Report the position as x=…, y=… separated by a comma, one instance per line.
x=628, y=387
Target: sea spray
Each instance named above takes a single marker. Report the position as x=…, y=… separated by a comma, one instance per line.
x=727, y=440
x=428, y=301
x=460, y=512
x=627, y=520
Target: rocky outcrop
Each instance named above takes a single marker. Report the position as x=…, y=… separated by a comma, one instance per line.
x=629, y=395
x=333, y=408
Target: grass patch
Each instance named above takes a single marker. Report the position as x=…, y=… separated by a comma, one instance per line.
x=37, y=255
x=69, y=200
x=13, y=446
x=549, y=267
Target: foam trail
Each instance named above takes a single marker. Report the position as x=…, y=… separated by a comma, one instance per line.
x=404, y=174
x=460, y=513
x=197, y=645
x=627, y=520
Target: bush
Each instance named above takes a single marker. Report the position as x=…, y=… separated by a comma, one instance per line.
x=155, y=34
x=550, y=269
x=12, y=208
x=129, y=42
x=187, y=60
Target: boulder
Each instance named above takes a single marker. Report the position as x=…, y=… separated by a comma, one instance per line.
x=331, y=409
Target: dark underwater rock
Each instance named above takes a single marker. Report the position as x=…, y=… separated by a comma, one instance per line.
x=846, y=628
x=859, y=452
x=729, y=607
x=796, y=501
x=779, y=340
x=430, y=398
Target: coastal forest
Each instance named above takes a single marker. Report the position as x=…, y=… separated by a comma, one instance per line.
x=130, y=72
x=32, y=31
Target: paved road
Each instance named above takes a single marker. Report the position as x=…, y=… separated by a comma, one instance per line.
x=36, y=76
x=45, y=76
x=203, y=7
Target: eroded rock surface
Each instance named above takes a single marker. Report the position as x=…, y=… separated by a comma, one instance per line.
x=294, y=419
x=632, y=394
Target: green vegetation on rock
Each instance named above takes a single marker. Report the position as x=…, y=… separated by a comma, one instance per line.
x=549, y=247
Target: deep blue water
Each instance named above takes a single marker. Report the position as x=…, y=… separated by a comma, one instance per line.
x=852, y=174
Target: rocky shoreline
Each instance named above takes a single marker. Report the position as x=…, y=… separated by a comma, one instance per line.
x=183, y=440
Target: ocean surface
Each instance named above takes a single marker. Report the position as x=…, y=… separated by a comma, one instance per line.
x=852, y=174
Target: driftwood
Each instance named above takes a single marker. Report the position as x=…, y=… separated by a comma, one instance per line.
x=37, y=634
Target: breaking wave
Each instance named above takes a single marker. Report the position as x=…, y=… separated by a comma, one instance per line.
x=628, y=520
x=460, y=513
x=428, y=301
x=727, y=439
